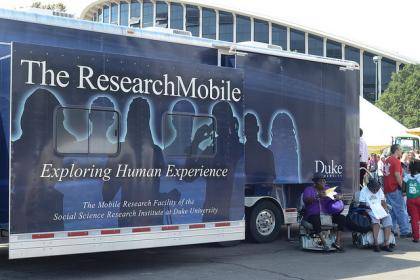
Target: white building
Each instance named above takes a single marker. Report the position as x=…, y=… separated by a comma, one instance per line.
x=229, y=25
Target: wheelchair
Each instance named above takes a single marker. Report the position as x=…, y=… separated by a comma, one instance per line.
x=365, y=239
x=311, y=241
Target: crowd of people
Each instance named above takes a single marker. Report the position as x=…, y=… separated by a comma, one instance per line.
x=389, y=195
x=398, y=174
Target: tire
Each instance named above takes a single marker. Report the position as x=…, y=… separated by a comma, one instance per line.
x=270, y=219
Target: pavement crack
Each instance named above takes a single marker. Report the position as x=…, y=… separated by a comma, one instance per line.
x=258, y=269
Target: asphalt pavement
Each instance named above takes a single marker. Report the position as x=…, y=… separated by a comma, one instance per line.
x=281, y=259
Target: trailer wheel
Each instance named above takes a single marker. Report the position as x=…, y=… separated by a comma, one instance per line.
x=264, y=222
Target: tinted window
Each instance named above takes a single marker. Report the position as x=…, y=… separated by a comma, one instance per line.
x=135, y=9
x=297, y=41
x=225, y=26
x=101, y=131
x=100, y=17
x=147, y=13
x=279, y=35
x=209, y=23
x=261, y=31
x=124, y=13
x=227, y=60
x=243, y=29
x=388, y=67
x=135, y=14
x=106, y=14
x=192, y=22
x=179, y=130
x=333, y=49
x=369, y=72
x=315, y=45
x=177, y=16
x=114, y=13
x=161, y=14
x=352, y=54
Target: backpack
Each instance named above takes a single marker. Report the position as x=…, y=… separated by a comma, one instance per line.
x=358, y=220
x=413, y=188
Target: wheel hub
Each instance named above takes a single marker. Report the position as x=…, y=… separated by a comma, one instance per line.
x=265, y=222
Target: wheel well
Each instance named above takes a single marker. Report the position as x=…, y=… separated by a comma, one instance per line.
x=271, y=199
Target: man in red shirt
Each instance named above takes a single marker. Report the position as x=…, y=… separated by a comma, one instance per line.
x=393, y=191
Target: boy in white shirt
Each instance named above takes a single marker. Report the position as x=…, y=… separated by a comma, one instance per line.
x=373, y=198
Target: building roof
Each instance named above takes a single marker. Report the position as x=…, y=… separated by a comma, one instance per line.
x=262, y=12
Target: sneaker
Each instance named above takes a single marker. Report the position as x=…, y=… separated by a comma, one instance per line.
x=415, y=240
x=338, y=248
x=325, y=248
x=387, y=249
x=376, y=248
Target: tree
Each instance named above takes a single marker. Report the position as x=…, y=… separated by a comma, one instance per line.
x=401, y=100
x=55, y=7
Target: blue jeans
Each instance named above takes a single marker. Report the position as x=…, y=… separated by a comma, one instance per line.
x=398, y=213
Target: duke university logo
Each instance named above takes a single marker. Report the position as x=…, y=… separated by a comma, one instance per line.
x=330, y=169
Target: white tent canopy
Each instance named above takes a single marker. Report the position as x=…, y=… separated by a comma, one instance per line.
x=378, y=127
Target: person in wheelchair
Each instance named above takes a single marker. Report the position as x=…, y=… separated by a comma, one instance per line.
x=373, y=199
x=316, y=202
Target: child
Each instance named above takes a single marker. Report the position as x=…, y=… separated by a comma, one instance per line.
x=412, y=182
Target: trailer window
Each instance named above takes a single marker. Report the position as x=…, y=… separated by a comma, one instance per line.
x=188, y=135
x=86, y=131
x=227, y=60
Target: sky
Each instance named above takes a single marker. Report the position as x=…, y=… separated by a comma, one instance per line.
x=388, y=25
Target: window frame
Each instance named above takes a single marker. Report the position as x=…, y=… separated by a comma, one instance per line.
x=336, y=44
x=108, y=9
x=249, y=25
x=152, y=13
x=113, y=5
x=198, y=26
x=164, y=126
x=297, y=32
x=233, y=29
x=277, y=27
x=55, y=132
x=256, y=22
x=204, y=10
x=127, y=18
x=315, y=38
x=156, y=4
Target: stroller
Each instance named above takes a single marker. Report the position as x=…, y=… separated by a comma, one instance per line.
x=362, y=235
x=308, y=239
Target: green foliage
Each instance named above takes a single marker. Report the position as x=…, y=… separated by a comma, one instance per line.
x=55, y=7
x=401, y=100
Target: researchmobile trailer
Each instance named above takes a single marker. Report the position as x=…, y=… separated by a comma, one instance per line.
x=115, y=138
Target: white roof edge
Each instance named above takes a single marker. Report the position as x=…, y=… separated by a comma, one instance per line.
x=86, y=14
x=160, y=36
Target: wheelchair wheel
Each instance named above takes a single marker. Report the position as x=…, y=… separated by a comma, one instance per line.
x=354, y=238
